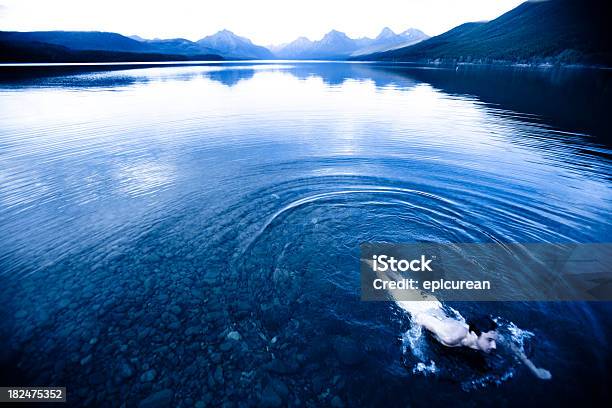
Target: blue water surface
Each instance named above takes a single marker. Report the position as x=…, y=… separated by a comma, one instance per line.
x=148, y=213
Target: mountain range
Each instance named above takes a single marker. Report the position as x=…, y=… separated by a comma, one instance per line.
x=74, y=45
x=555, y=31
x=337, y=45
x=85, y=46
x=231, y=46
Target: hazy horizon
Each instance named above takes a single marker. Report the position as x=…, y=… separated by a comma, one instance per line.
x=269, y=22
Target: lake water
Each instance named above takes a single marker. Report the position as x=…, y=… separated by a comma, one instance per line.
x=147, y=212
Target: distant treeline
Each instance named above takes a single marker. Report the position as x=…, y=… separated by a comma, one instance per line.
x=32, y=51
x=554, y=32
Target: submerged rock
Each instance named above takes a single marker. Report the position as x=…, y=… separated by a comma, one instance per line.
x=276, y=366
x=21, y=314
x=279, y=367
x=347, y=350
x=234, y=335
x=279, y=387
x=193, y=330
x=125, y=370
x=219, y=375
x=270, y=398
x=96, y=378
x=86, y=360
x=174, y=325
x=160, y=399
x=336, y=402
x=227, y=345
x=148, y=376
x=274, y=316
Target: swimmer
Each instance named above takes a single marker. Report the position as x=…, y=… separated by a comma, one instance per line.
x=478, y=334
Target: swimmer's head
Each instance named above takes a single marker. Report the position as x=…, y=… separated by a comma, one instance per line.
x=484, y=327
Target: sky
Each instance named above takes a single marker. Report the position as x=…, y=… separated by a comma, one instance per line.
x=265, y=22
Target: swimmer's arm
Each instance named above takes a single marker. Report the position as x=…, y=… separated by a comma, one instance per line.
x=538, y=372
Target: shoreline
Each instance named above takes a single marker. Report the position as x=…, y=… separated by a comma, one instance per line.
x=506, y=64
x=440, y=64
